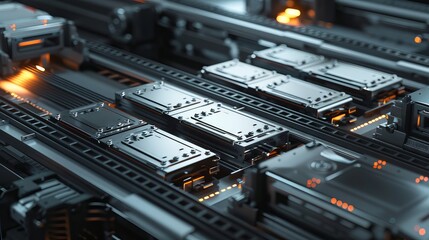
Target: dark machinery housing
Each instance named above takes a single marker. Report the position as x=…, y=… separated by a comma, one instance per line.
x=316, y=186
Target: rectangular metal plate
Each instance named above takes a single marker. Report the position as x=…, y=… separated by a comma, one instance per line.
x=303, y=93
x=237, y=71
x=228, y=124
x=354, y=75
x=164, y=98
x=289, y=56
x=358, y=74
x=158, y=148
x=99, y=120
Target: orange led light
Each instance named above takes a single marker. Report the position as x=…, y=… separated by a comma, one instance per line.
x=312, y=183
x=30, y=43
x=379, y=164
x=212, y=195
x=342, y=204
x=421, y=179
x=40, y=68
x=384, y=116
x=418, y=120
x=422, y=231
x=292, y=12
x=418, y=39
x=283, y=18
x=311, y=13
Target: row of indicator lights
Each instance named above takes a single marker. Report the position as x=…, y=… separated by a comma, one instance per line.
x=420, y=230
x=422, y=179
x=218, y=192
x=379, y=164
x=312, y=183
x=384, y=116
x=16, y=96
x=342, y=205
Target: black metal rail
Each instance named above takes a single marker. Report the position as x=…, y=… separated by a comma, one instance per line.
x=206, y=220
x=135, y=65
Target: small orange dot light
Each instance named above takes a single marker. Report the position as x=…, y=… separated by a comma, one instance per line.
x=422, y=231
x=418, y=39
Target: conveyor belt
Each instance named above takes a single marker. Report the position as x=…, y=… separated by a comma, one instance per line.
x=140, y=67
x=148, y=186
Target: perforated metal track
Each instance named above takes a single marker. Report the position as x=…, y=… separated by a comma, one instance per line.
x=282, y=115
x=382, y=51
x=151, y=188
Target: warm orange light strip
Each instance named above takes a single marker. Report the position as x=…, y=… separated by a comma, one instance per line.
x=384, y=116
x=30, y=43
x=342, y=204
x=219, y=192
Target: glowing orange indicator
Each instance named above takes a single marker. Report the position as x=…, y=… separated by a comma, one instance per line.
x=418, y=120
x=418, y=39
x=292, y=13
x=422, y=179
x=379, y=164
x=30, y=43
x=283, y=18
x=40, y=68
x=342, y=205
x=312, y=183
x=219, y=192
x=384, y=116
x=289, y=14
x=420, y=230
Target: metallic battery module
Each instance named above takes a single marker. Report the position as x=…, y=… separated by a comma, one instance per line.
x=28, y=33
x=361, y=82
x=233, y=133
x=295, y=93
x=174, y=159
x=364, y=84
x=236, y=72
x=99, y=120
x=284, y=59
x=240, y=134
